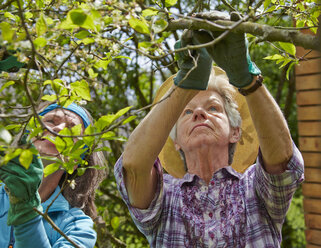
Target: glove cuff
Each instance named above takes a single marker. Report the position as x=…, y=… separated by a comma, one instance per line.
x=22, y=212
x=258, y=84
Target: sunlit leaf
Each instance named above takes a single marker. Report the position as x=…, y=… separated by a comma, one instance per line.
x=25, y=158
x=288, y=47
x=122, y=112
x=41, y=26
x=139, y=25
x=274, y=57
x=159, y=25
x=40, y=42
x=108, y=135
x=51, y=168
x=7, y=31
x=169, y=3
x=149, y=12
x=6, y=85
x=115, y=222
x=77, y=16
x=81, y=88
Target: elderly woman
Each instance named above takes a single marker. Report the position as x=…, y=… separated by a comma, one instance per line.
x=72, y=211
x=213, y=205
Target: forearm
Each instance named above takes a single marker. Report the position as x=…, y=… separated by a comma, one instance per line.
x=146, y=142
x=273, y=133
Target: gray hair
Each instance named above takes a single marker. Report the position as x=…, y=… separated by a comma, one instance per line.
x=220, y=84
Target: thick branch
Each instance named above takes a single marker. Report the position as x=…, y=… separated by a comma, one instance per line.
x=265, y=32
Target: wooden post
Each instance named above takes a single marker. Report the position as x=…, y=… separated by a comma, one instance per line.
x=308, y=87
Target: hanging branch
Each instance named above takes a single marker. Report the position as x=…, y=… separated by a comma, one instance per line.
x=266, y=32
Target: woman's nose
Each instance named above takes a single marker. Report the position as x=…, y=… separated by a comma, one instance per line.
x=57, y=128
x=199, y=113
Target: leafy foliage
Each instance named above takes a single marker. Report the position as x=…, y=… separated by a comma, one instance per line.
x=108, y=55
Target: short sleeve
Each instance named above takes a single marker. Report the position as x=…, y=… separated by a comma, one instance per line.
x=276, y=191
x=145, y=219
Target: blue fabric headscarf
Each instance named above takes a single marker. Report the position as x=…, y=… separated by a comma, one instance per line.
x=72, y=107
x=77, y=110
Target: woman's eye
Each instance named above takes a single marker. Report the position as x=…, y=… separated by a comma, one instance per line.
x=48, y=121
x=188, y=112
x=212, y=108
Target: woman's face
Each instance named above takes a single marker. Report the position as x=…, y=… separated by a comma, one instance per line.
x=56, y=120
x=204, y=122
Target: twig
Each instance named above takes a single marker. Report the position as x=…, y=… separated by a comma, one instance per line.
x=50, y=221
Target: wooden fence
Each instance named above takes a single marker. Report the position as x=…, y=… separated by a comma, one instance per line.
x=308, y=89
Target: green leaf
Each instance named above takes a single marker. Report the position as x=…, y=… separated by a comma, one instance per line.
x=129, y=119
x=149, y=12
x=81, y=89
x=76, y=130
x=7, y=84
x=289, y=70
x=28, y=15
x=41, y=25
x=139, y=25
x=49, y=98
x=77, y=16
x=92, y=74
x=122, y=57
x=82, y=34
x=60, y=144
x=51, y=168
x=104, y=122
x=288, y=47
x=169, y=3
x=5, y=135
x=122, y=112
x=115, y=222
x=271, y=9
x=108, y=20
x=266, y=3
x=11, y=155
x=7, y=31
x=10, y=16
x=89, y=140
x=274, y=57
x=159, y=25
x=25, y=158
x=40, y=42
x=105, y=148
x=103, y=63
x=108, y=135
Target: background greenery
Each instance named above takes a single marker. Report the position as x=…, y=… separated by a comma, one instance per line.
x=109, y=55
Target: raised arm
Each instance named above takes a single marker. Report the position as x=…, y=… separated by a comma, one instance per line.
x=232, y=55
x=147, y=140
x=273, y=133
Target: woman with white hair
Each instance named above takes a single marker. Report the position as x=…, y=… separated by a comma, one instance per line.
x=211, y=204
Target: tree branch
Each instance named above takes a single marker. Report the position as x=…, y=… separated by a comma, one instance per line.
x=266, y=32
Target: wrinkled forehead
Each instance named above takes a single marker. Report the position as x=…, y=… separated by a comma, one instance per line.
x=63, y=115
x=204, y=97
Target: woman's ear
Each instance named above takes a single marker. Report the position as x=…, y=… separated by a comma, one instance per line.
x=177, y=146
x=235, y=134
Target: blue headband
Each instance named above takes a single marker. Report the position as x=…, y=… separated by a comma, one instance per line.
x=77, y=110
x=72, y=107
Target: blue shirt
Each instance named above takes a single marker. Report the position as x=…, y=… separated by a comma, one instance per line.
x=39, y=233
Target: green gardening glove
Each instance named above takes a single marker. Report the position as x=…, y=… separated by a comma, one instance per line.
x=231, y=54
x=22, y=186
x=8, y=62
x=189, y=77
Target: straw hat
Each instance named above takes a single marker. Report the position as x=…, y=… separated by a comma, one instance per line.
x=246, y=149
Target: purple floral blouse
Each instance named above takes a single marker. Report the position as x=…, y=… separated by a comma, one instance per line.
x=234, y=210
